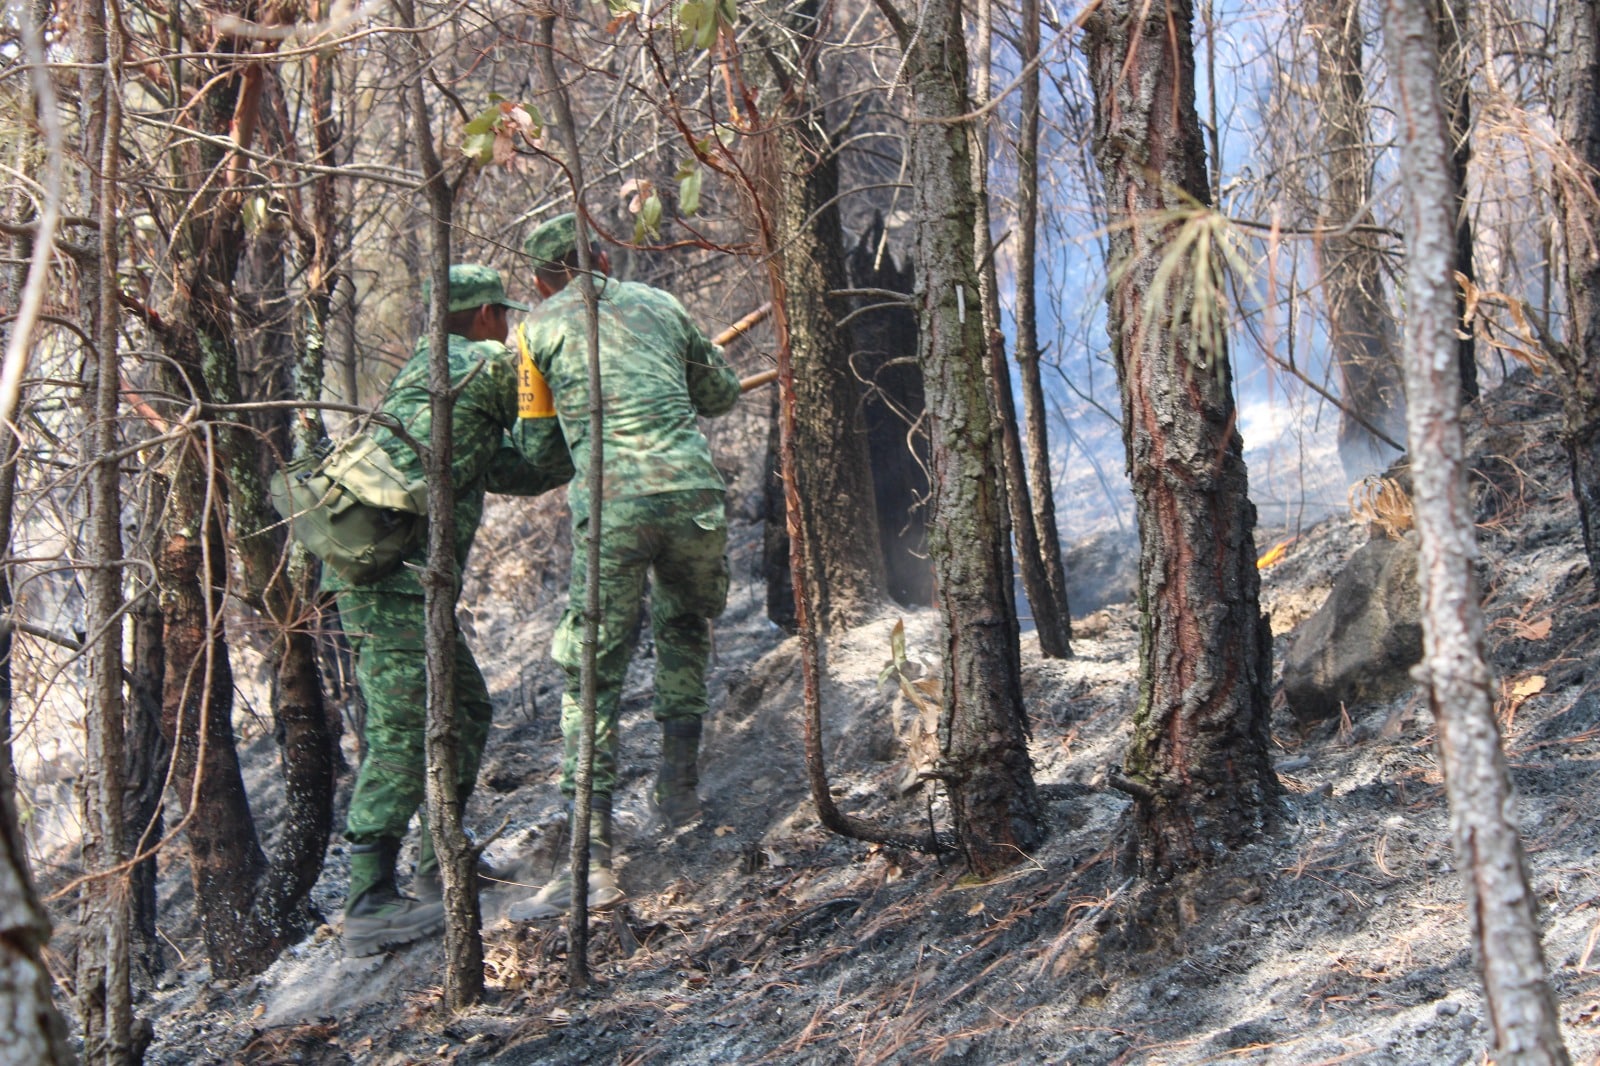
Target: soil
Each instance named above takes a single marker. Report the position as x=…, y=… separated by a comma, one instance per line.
x=756, y=936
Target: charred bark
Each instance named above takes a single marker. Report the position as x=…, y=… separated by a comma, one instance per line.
x=844, y=566
x=224, y=851
x=775, y=542
x=146, y=762
x=282, y=360
x=883, y=339
x=1455, y=83
x=1198, y=762
x=249, y=909
x=983, y=731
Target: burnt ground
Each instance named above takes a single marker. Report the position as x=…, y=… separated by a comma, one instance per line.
x=755, y=936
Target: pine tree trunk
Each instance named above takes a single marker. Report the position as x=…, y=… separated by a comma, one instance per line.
x=1455, y=82
x=105, y=1007
x=1041, y=486
x=1049, y=626
x=984, y=729
x=1361, y=330
x=147, y=757
x=1483, y=811
x=845, y=578
x=1198, y=764
x=224, y=852
x=1577, y=114
x=883, y=339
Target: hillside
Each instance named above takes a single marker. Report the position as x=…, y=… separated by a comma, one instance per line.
x=754, y=936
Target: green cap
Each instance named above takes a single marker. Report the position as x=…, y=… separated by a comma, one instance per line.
x=473, y=285
x=552, y=240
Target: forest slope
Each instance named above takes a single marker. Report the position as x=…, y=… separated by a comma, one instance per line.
x=754, y=936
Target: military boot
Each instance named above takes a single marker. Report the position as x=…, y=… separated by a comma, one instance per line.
x=674, y=797
x=376, y=916
x=555, y=898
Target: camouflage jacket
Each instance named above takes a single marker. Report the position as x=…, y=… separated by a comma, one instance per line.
x=493, y=451
x=657, y=373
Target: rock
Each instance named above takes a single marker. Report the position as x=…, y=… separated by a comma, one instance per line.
x=1102, y=570
x=1360, y=646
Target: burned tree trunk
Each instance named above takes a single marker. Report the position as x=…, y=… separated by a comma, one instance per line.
x=218, y=504
x=1577, y=113
x=1361, y=331
x=1041, y=485
x=146, y=760
x=1455, y=83
x=1483, y=816
x=1197, y=765
x=197, y=719
x=834, y=483
x=883, y=337
x=1048, y=603
x=983, y=731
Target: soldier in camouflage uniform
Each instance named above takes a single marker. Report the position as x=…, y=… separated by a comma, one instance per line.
x=493, y=451
x=663, y=515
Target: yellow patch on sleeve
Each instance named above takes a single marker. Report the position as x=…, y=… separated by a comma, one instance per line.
x=533, y=394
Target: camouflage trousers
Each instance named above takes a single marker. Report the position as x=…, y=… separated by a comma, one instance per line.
x=386, y=633
x=678, y=542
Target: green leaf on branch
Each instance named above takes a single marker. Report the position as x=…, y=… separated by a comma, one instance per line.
x=479, y=147
x=483, y=121
x=491, y=135
x=688, y=178
x=650, y=215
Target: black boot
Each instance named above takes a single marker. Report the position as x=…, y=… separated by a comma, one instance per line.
x=555, y=898
x=675, y=798
x=376, y=916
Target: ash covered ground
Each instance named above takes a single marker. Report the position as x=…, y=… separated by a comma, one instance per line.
x=755, y=936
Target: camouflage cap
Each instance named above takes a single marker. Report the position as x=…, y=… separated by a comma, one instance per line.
x=473, y=285
x=552, y=240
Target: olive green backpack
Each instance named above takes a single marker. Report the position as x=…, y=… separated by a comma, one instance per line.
x=352, y=508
